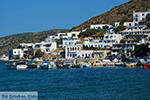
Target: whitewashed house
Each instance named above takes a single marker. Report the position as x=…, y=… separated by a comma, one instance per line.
x=109, y=40
x=27, y=49
x=75, y=51
x=67, y=42
x=45, y=47
x=140, y=16
x=124, y=47
x=14, y=53
x=99, y=26
x=72, y=34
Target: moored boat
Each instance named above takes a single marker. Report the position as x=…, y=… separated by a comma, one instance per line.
x=76, y=65
x=147, y=65
x=46, y=66
x=4, y=58
x=119, y=64
x=34, y=65
x=17, y=65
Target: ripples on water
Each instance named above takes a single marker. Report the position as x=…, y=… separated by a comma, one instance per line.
x=113, y=83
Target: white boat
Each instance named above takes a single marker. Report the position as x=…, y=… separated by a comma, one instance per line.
x=46, y=66
x=4, y=58
x=16, y=66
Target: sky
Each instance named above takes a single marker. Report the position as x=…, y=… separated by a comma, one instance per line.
x=21, y=16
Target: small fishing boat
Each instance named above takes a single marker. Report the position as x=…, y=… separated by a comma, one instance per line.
x=17, y=65
x=147, y=65
x=4, y=58
x=46, y=65
x=66, y=66
x=130, y=64
x=76, y=65
x=119, y=64
x=85, y=65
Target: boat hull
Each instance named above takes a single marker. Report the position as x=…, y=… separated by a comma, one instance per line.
x=21, y=67
x=32, y=66
x=46, y=66
x=146, y=66
x=18, y=67
x=11, y=67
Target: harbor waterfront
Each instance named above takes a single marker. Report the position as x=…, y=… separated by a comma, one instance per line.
x=100, y=83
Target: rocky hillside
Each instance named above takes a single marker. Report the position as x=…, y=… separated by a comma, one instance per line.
x=119, y=13
x=13, y=41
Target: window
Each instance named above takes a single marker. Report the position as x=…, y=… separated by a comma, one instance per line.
x=99, y=27
x=136, y=19
x=143, y=19
x=106, y=36
x=143, y=14
x=129, y=24
x=67, y=55
x=75, y=48
x=136, y=15
x=67, y=49
x=78, y=48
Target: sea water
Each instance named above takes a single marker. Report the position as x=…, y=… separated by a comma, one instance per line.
x=107, y=83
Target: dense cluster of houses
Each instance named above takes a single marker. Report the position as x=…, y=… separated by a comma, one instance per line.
x=73, y=46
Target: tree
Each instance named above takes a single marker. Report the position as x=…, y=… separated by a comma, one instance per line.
x=120, y=52
x=148, y=24
x=119, y=28
x=38, y=53
x=88, y=33
x=148, y=20
x=121, y=23
x=148, y=17
x=17, y=57
x=105, y=27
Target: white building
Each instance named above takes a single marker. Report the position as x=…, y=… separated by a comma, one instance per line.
x=115, y=24
x=109, y=40
x=140, y=16
x=75, y=51
x=99, y=26
x=67, y=42
x=27, y=49
x=13, y=53
x=73, y=34
x=46, y=47
x=124, y=47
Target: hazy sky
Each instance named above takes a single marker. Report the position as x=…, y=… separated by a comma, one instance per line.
x=19, y=16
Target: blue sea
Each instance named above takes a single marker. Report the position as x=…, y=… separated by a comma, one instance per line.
x=107, y=83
